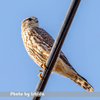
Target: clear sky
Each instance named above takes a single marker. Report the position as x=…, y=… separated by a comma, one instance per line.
x=82, y=45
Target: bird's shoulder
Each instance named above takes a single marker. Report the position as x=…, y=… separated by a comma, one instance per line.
x=44, y=35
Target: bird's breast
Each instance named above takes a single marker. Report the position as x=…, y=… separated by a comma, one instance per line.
x=37, y=49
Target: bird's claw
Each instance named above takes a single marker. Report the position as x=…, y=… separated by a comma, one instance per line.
x=43, y=65
x=40, y=75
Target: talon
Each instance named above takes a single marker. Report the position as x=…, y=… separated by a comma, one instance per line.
x=43, y=65
x=40, y=75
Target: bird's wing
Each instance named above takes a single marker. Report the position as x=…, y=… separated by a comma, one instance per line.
x=45, y=36
x=62, y=56
x=49, y=40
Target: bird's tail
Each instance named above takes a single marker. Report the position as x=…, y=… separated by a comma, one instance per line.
x=67, y=70
x=81, y=81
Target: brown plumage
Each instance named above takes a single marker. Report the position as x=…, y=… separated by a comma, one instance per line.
x=38, y=44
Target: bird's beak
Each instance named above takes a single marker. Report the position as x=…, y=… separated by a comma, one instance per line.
x=36, y=21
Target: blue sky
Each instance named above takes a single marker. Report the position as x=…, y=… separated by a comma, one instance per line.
x=82, y=45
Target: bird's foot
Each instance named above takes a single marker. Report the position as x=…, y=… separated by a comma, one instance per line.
x=43, y=65
x=40, y=74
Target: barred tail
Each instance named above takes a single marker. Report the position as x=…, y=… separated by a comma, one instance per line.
x=81, y=81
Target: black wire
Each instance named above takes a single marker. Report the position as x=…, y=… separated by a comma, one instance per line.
x=56, y=47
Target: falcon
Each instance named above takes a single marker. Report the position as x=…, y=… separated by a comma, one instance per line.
x=38, y=44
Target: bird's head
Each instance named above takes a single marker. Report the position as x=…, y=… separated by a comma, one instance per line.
x=30, y=21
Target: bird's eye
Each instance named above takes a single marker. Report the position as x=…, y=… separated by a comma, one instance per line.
x=30, y=19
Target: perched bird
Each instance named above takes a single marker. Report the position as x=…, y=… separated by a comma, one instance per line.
x=38, y=44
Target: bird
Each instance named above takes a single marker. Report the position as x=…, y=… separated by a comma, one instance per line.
x=38, y=44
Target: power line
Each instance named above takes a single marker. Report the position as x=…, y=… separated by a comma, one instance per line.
x=56, y=47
